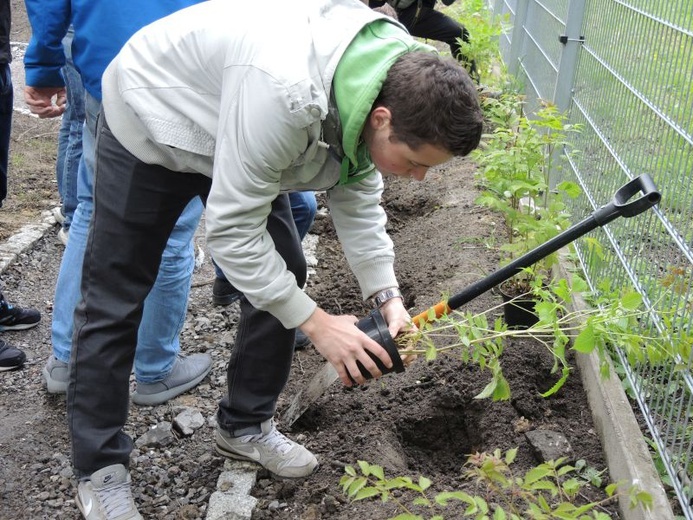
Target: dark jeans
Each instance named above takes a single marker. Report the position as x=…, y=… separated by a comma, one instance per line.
x=135, y=207
x=6, y=102
x=434, y=25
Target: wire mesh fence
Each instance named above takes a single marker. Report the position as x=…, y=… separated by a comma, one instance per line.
x=623, y=70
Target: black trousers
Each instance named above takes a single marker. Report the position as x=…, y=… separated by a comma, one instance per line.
x=135, y=208
x=423, y=21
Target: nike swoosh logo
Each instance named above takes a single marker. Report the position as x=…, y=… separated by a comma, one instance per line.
x=252, y=453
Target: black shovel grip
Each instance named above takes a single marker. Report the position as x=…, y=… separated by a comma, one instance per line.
x=620, y=205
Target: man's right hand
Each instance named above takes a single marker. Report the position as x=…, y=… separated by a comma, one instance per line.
x=40, y=101
x=341, y=343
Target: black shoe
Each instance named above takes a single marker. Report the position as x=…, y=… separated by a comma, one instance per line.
x=302, y=341
x=16, y=318
x=10, y=357
x=223, y=293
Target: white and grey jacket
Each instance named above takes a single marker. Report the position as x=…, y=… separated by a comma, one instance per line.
x=239, y=91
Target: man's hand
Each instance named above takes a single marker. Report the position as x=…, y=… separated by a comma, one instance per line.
x=40, y=101
x=341, y=343
x=398, y=320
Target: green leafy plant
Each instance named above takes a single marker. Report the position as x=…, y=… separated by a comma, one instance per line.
x=484, y=28
x=480, y=339
x=547, y=491
x=515, y=162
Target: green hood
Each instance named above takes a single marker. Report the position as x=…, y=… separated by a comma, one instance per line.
x=357, y=83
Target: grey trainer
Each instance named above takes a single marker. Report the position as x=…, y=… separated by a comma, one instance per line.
x=107, y=495
x=186, y=373
x=271, y=449
x=56, y=376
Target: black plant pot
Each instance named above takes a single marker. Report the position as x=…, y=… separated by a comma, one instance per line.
x=375, y=328
x=518, y=311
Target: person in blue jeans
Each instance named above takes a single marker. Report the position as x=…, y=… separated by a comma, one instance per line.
x=69, y=141
x=161, y=371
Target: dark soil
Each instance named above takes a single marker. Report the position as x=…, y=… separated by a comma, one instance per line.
x=425, y=421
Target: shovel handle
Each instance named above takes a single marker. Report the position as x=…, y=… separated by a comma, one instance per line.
x=623, y=206
x=620, y=206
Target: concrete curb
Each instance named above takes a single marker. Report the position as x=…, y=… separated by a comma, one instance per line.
x=232, y=499
x=25, y=239
x=626, y=451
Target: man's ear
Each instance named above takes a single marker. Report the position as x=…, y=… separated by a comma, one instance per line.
x=380, y=117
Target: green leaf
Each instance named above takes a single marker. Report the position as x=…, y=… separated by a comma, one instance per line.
x=585, y=341
x=377, y=472
x=444, y=497
x=366, y=492
x=502, y=390
x=487, y=391
x=537, y=473
x=499, y=514
x=631, y=301
x=556, y=387
x=424, y=482
x=356, y=486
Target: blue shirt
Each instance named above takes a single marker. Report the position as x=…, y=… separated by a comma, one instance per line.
x=101, y=28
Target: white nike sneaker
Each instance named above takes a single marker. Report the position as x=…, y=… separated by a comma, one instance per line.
x=106, y=495
x=271, y=449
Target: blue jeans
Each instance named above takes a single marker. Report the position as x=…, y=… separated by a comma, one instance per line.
x=303, y=209
x=70, y=135
x=6, y=101
x=165, y=306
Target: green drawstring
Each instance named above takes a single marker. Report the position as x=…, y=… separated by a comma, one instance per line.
x=346, y=178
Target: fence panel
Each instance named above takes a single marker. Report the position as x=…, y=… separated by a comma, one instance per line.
x=631, y=89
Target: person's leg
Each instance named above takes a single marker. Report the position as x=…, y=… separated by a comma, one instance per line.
x=136, y=207
x=6, y=101
x=261, y=357
x=303, y=209
x=67, y=292
x=434, y=25
x=158, y=340
x=70, y=136
x=166, y=304
x=259, y=369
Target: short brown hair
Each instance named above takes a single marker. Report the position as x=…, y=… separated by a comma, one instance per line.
x=433, y=101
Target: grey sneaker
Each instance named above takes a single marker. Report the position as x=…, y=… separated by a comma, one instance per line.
x=106, y=495
x=270, y=449
x=56, y=376
x=186, y=373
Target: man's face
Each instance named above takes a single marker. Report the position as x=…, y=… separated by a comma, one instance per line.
x=396, y=158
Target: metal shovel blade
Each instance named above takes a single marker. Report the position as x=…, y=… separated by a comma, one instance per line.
x=308, y=395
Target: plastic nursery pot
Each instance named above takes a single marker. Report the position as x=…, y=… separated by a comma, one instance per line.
x=375, y=328
x=518, y=312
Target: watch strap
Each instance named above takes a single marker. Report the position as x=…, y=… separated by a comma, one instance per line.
x=385, y=295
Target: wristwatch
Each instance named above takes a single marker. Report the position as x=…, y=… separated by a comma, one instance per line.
x=385, y=295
